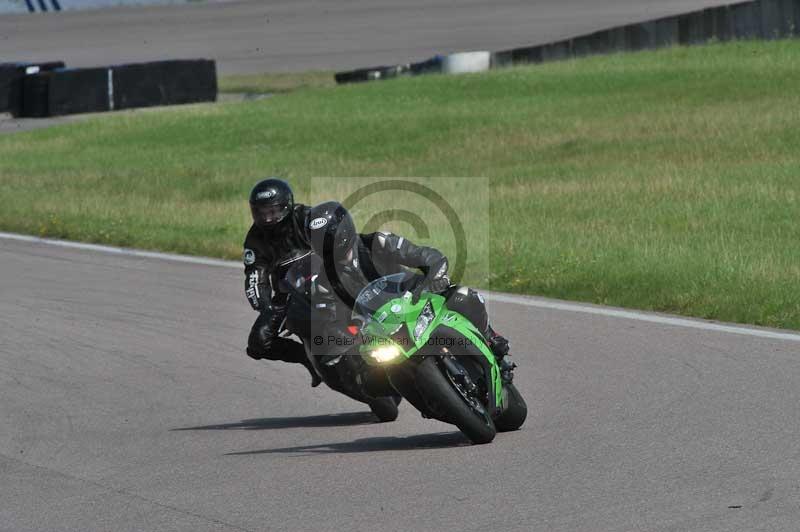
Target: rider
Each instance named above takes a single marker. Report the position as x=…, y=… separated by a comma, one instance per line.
x=353, y=260
x=275, y=238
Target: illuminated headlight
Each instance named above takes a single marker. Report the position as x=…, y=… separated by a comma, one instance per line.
x=424, y=320
x=385, y=354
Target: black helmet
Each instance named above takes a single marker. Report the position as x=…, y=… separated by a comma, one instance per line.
x=271, y=200
x=332, y=232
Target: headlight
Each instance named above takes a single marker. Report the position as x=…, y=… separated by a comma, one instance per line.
x=424, y=320
x=385, y=354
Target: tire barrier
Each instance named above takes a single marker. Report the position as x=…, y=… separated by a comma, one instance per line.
x=692, y=28
x=11, y=80
x=457, y=63
x=89, y=90
x=752, y=19
x=370, y=74
x=434, y=65
x=35, y=103
x=526, y=55
x=65, y=91
x=75, y=90
x=556, y=51
x=164, y=83
x=429, y=66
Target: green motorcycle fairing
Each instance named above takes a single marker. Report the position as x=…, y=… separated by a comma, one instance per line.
x=393, y=324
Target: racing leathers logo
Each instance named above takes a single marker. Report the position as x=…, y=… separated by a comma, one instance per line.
x=252, y=292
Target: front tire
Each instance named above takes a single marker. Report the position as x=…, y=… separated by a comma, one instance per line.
x=448, y=404
x=384, y=408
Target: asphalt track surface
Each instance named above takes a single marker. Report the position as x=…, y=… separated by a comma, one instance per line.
x=127, y=403
x=295, y=35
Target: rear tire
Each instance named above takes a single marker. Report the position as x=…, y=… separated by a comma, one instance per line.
x=515, y=413
x=442, y=397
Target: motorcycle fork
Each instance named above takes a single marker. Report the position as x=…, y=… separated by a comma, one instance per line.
x=458, y=372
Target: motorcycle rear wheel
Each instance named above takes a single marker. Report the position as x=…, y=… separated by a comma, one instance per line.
x=513, y=416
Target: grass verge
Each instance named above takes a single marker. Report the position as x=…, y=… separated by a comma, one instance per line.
x=663, y=180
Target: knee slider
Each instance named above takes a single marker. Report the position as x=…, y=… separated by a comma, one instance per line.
x=261, y=340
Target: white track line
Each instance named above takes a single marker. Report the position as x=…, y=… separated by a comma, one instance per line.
x=491, y=296
x=123, y=251
x=640, y=316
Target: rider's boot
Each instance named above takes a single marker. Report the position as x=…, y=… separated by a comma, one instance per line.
x=292, y=351
x=316, y=380
x=499, y=346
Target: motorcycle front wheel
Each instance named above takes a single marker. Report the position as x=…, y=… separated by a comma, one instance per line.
x=452, y=404
x=384, y=408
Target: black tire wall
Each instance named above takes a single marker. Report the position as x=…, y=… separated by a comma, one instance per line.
x=80, y=90
x=130, y=86
x=12, y=77
x=164, y=83
x=750, y=19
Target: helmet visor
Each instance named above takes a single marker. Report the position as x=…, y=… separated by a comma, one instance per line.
x=268, y=214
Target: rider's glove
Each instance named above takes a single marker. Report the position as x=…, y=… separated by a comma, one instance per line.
x=435, y=280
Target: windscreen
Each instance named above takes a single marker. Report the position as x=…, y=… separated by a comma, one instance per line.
x=380, y=291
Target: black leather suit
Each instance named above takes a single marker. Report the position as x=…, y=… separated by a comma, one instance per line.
x=265, y=253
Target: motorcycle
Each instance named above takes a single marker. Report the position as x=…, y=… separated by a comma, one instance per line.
x=435, y=358
x=337, y=362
